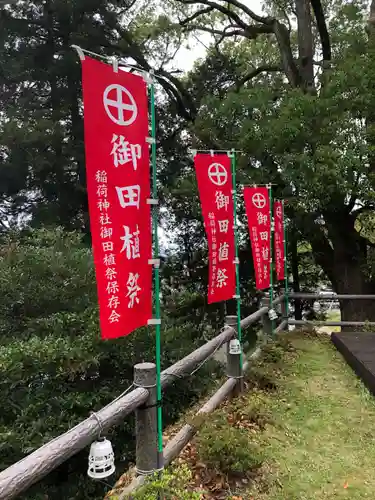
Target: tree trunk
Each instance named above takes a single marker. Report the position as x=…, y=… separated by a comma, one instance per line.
x=350, y=270
x=305, y=43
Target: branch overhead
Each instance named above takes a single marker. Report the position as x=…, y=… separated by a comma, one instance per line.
x=196, y=14
x=257, y=71
x=233, y=16
x=322, y=28
x=228, y=11
x=251, y=32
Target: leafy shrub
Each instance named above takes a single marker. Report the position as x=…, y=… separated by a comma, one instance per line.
x=54, y=367
x=251, y=410
x=226, y=448
x=272, y=353
x=171, y=485
x=262, y=377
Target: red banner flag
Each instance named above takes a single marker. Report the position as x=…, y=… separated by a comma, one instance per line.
x=278, y=217
x=118, y=186
x=214, y=179
x=257, y=204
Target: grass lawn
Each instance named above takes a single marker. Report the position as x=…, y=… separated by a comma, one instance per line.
x=321, y=444
x=331, y=316
x=302, y=431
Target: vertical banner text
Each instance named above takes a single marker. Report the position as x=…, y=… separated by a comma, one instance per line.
x=278, y=217
x=214, y=179
x=257, y=205
x=118, y=186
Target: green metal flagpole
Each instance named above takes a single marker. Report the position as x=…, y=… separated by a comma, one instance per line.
x=156, y=277
x=237, y=262
x=271, y=254
x=285, y=262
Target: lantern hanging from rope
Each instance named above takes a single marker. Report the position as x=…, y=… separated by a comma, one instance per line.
x=101, y=459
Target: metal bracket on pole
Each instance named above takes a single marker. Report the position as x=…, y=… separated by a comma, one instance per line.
x=154, y=321
x=151, y=140
x=151, y=201
x=80, y=53
x=154, y=262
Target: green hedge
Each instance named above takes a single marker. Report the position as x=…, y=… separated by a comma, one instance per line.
x=55, y=369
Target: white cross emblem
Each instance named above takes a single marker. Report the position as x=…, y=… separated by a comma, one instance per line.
x=113, y=100
x=217, y=174
x=259, y=200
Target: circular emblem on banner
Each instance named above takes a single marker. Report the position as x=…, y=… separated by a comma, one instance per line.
x=259, y=200
x=278, y=211
x=120, y=105
x=218, y=174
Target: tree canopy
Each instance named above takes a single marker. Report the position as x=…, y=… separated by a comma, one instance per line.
x=291, y=87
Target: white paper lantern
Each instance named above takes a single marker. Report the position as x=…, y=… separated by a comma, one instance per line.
x=272, y=314
x=101, y=459
x=234, y=346
x=316, y=307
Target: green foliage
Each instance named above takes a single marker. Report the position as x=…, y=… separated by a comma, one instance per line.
x=226, y=448
x=317, y=147
x=170, y=485
x=54, y=367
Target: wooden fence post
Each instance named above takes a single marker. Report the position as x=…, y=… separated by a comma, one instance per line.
x=284, y=312
x=146, y=421
x=266, y=322
x=234, y=368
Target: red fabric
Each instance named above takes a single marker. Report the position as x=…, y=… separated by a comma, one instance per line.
x=257, y=204
x=118, y=185
x=278, y=217
x=217, y=209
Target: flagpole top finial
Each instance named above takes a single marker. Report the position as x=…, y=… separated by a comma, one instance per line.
x=80, y=53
